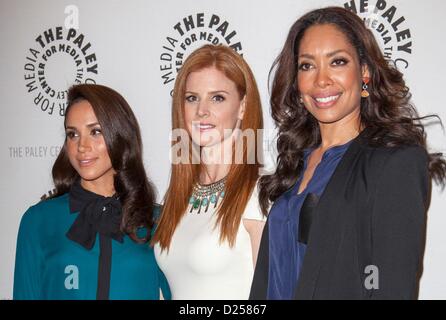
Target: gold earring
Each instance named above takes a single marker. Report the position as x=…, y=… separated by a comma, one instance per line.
x=364, y=92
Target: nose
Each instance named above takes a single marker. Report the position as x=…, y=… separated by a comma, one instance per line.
x=84, y=144
x=323, y=78
x=203, y=109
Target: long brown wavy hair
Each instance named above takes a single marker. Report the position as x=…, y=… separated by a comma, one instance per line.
x=123, y=140
x=387, y=112
x=242, y=178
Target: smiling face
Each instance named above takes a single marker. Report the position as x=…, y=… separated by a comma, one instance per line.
x=212, y=105
x=329, y=75
x=86, y=147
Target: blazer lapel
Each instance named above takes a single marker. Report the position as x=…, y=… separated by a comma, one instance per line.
x=325, y=232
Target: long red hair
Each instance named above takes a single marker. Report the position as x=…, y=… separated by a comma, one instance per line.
x=242, y=178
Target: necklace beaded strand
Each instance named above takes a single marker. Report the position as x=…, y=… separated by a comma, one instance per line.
x=205, y=195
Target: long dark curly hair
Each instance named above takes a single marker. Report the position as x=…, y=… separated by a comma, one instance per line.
x=124, y=145
x=388, y=114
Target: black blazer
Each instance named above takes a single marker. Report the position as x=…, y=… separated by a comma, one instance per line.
x=372, y=212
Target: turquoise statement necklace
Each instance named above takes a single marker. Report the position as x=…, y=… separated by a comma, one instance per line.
x=205, y=195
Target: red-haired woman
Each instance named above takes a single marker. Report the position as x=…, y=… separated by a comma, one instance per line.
x=211, y=224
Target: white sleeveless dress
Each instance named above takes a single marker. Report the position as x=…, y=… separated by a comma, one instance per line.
x=197, y=266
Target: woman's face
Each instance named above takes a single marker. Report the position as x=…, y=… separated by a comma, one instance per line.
x=329, y=75
x=86, y=146
x=212, y=105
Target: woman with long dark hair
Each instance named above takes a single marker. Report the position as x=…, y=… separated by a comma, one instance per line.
x=90, y=240
x=351, y=188
x=208, y=236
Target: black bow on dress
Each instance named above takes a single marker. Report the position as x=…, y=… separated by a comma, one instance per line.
x=97, y=215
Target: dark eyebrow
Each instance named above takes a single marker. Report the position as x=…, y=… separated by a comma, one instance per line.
x=329, y=55
x=90, y=125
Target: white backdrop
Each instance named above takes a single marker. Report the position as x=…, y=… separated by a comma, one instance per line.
x=133, y=45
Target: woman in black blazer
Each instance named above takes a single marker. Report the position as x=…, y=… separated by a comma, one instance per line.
x=352, y=184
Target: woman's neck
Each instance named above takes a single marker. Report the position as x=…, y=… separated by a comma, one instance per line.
x=339, y=133
x=216, y=161
x=213, y=172
x=100, y=188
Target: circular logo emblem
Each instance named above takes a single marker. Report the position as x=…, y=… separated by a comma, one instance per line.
x=190, y=33
x=389, y=27
x=59, y=58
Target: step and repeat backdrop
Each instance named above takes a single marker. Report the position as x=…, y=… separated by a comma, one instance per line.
x=137, y=48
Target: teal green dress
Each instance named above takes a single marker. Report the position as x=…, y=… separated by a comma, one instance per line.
x=51, y=266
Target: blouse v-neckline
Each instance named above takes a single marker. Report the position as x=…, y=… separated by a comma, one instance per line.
x=327, y=153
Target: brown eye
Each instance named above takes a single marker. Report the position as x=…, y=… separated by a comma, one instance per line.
x=339, y=62
x=96, y=131
x=71, y=134
x=304, y=66
x=191, y=98
x=218, y=98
